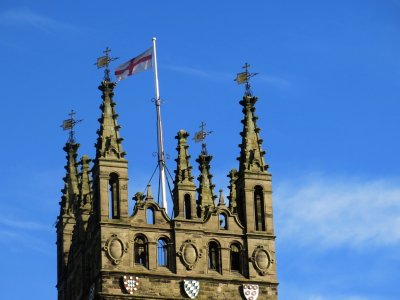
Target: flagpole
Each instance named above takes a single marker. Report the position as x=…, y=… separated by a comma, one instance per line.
x=160, y=142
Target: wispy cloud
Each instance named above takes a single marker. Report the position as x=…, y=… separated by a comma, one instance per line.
x=332, y=211
x=26, y=18
x=16, y=234
x=25, y=225
x=224, y=76
x=209, y=75
x=273, y=80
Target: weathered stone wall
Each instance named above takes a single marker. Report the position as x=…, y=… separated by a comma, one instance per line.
x=172, y=288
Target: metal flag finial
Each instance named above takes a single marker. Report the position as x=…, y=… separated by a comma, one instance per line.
x=69, y=124
x=200, y=136
x=104, y=62
x=244, y=77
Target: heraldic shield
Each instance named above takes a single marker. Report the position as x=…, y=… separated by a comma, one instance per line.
x=191, y=287
x=250, y=291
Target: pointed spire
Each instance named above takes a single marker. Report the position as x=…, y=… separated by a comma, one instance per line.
x=71, y=189
x=85, y=188
x=251, y=154
x=183, y=172
x=109, y=142
x=221, y=201
x=206, y=188
x=149, y=194
x=232, y=190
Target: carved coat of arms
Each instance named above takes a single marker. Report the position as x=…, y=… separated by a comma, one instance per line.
x=250, y=291
x=130, y=283
x=192, y=288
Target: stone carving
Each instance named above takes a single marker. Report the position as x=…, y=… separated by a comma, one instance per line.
x=115, y=249
x=250, y=291
x=189, y=254
x=130, y=283
x=192, y=288
x=261, y=259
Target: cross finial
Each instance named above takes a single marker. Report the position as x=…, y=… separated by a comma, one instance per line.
x=200, y=136
x=69, y=124
x=244, y=77
x=104, y=62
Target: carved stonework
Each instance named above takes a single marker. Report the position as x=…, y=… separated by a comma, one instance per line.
x=261, y=260
x=115, y=249
x=189, y=254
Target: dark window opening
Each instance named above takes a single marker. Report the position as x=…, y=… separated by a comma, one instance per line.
x=213, y=256
x=188, y=207
x=236, y=257
x=113, y=185
x=259, y=208
x=140, y=251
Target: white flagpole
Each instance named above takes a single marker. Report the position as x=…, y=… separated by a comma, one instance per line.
x=160, y=142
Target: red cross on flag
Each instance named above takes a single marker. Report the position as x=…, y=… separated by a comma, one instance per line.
x=137, y=64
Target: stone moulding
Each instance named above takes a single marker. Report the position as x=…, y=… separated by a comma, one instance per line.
x=261, y=260
x=189, y=254
x=115, y=249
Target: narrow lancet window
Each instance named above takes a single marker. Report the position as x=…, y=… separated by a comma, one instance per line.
x=236, y=257
x=150, y=216
x=113, y=185
x=259, y=208
x=162, y=253
x=213, y=256
x=223, y=222
x=188, y=207
x=140, y=251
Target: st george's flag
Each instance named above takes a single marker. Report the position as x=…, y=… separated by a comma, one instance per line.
x=137, y=64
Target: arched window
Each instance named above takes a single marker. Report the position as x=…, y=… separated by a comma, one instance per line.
x=113, y=185
x=213, y=256
x=259, y=208
x=236, y=257
x=162, y=252
x=140, y=251
x=188, y=207
x=223, y=221
x=150, y=215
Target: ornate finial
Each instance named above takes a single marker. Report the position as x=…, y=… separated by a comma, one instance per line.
x=69, y=124
x=221, y=198
x=244, y=77
x=200, y=136
x=149, y=195
x=104, y=62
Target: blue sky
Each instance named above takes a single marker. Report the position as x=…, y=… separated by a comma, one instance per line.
x=328, y=88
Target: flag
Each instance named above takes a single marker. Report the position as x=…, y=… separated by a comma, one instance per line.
x=140, y=63
x=241, y=77
x=102, y=61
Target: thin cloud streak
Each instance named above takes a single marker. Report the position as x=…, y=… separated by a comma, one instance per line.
x=26, y=18
x=220, y=76
x=332, y=212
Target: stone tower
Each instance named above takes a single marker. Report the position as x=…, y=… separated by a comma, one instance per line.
x=210, y=249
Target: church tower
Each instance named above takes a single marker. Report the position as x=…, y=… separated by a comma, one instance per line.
x=208, y=249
